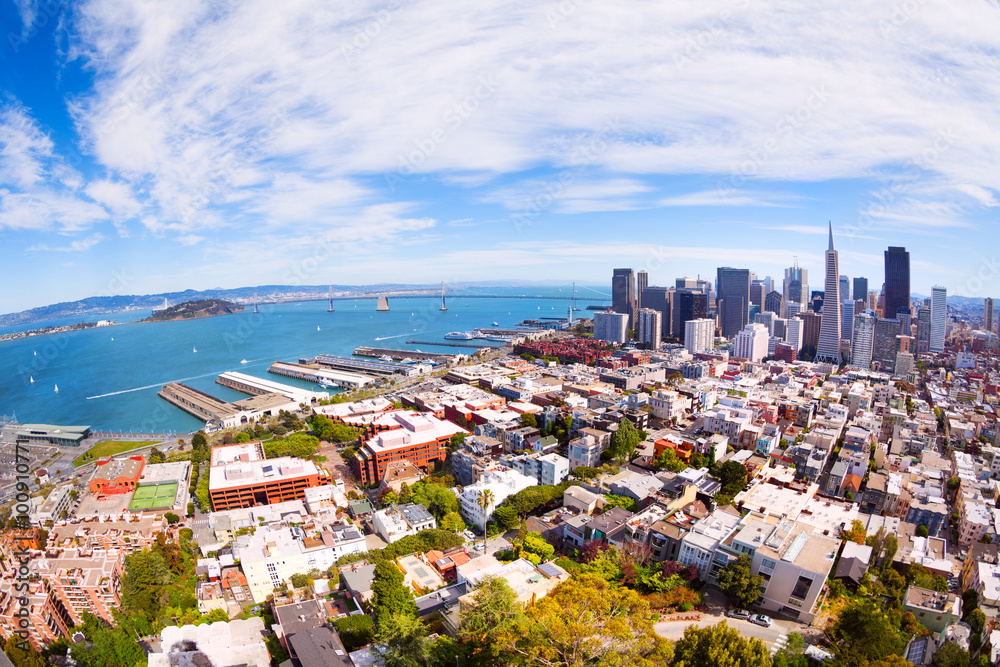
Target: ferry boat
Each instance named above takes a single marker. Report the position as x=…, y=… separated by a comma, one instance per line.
x=327, y=383
x=460, y=335
x=385, y=357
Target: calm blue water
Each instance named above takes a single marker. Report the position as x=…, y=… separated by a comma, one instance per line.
x=112, y=384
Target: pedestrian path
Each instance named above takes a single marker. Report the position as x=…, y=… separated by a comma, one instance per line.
x=779, y=643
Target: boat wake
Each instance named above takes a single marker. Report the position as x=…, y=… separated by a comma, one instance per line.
x=388, y=337
x=150, y=386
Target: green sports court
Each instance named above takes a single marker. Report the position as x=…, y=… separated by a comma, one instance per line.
x=155, y=497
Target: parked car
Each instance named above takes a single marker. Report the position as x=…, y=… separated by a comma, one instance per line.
x=739, y=613
x=469, y=535
x=762, y=620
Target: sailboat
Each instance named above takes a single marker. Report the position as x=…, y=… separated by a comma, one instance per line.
x=194, y=350
x=317, y=327
x=57, y=389
x=35, y=353
x=31, y=380
x=330, y=296
x=244, y=361
x=112, y=338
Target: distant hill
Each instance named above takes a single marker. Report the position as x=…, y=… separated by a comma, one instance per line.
x=190, y=310
x=243, y=295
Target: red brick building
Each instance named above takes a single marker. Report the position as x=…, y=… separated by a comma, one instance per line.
x=116, y=476
x=420, y=438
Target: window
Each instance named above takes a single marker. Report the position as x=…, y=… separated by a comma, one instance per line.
x=769, y=564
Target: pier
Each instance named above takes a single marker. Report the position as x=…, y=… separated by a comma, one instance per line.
x=255, y=386
x=365, y=351
x=313, y=373
x=350, y=364
x=210, y=409
x=446, y=344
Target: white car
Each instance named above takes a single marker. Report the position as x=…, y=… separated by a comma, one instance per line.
x=469, y=535
x=761, y=619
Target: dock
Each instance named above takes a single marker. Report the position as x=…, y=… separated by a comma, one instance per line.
x=352, y=365
x=313, y=373
x=255, y=386
x=214, y=410
x=365, y=351
x=446, y=344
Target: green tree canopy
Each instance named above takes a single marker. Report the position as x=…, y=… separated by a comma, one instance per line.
x=491, y=622
x=402, y=641
x=736, y=582
x=625, y=441
x=298, y=445
x=719, y=646
x=865, y=630
x=390, y=596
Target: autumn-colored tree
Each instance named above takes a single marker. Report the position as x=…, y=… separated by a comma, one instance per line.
x=856, y=533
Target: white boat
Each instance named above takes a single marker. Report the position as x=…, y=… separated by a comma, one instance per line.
x=31, y=379
x=194, y=349
x=57, y=389
x=112, y=338
x=459, y=335
x=35, y=353
x=317, y=328
x=496, y=324
x=244, y=361
x=385, y=357
x=327, y=383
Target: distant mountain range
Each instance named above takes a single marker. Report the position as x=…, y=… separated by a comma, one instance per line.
x=244, y=295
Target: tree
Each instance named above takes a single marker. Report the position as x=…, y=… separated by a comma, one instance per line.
x=970, y=601
x=485, y=501
x=719, y=645
x=587, y=621
x=611, y=501
x=490, y=622
x=791, y=654
x=922, y=531
x=953, y=484
x=529, y=420
x=452, y=521
x=214, y=616
x=199, y=441
x=950, y=655
x=21, y=653
x=856, y=533
x=401, y=641
x=390, y=498
x=171, y=518
x=733, y=476
x=865, y=630
x=976, y=620
x=390, y=596
x=625, y=441
x=156, y=456
x=355, y=631
x=536, y=544
x=737, y=584
x=506, y=517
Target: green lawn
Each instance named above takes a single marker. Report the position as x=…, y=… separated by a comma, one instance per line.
x=106, y=448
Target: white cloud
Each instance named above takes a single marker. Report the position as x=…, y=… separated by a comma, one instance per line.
x=24, y=149
x=729, y=197
x=74, y=246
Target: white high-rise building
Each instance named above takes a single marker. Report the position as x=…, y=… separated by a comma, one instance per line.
x=751, y=342
x=767, y=319
x=699, y=335
x=794, y=330
x=828, y=349
x=792, y=308
x=845, y=289
x=650, y=323
x=864, y=339
x=939, y=317
x=611, y=327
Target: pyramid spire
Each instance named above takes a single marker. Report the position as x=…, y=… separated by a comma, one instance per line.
x=831, y=236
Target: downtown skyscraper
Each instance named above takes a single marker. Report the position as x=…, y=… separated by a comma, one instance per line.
x=897, y=281
x=623, y=299
x=939, y=318
x=828, y=349
x=988, y=314
x=732, y=299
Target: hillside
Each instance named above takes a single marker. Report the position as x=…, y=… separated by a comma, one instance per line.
x=193, y=309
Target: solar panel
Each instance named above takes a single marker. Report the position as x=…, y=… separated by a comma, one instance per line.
x=549, y=569
x=915, y=653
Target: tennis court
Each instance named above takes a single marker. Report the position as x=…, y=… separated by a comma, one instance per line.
x=159, y=496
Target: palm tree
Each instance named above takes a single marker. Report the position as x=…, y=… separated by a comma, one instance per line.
x=484, y=501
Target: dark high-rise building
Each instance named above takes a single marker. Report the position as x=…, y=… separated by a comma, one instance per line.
x=757, y=293
x=810, y=330
x=816, y=302
x=905, y=318
x=688, y=305
x=884, y=348
x=988, y=314
x=772, y=302
x=732, y=287
x=623, y=294
x=658, y=298
x=860, y=289
x=897, y=280
x=641, y=283
x=923, y=330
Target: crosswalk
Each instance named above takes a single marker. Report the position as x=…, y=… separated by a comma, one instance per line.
x=779, y=643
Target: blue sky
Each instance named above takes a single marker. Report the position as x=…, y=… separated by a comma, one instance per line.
x=151, y=146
